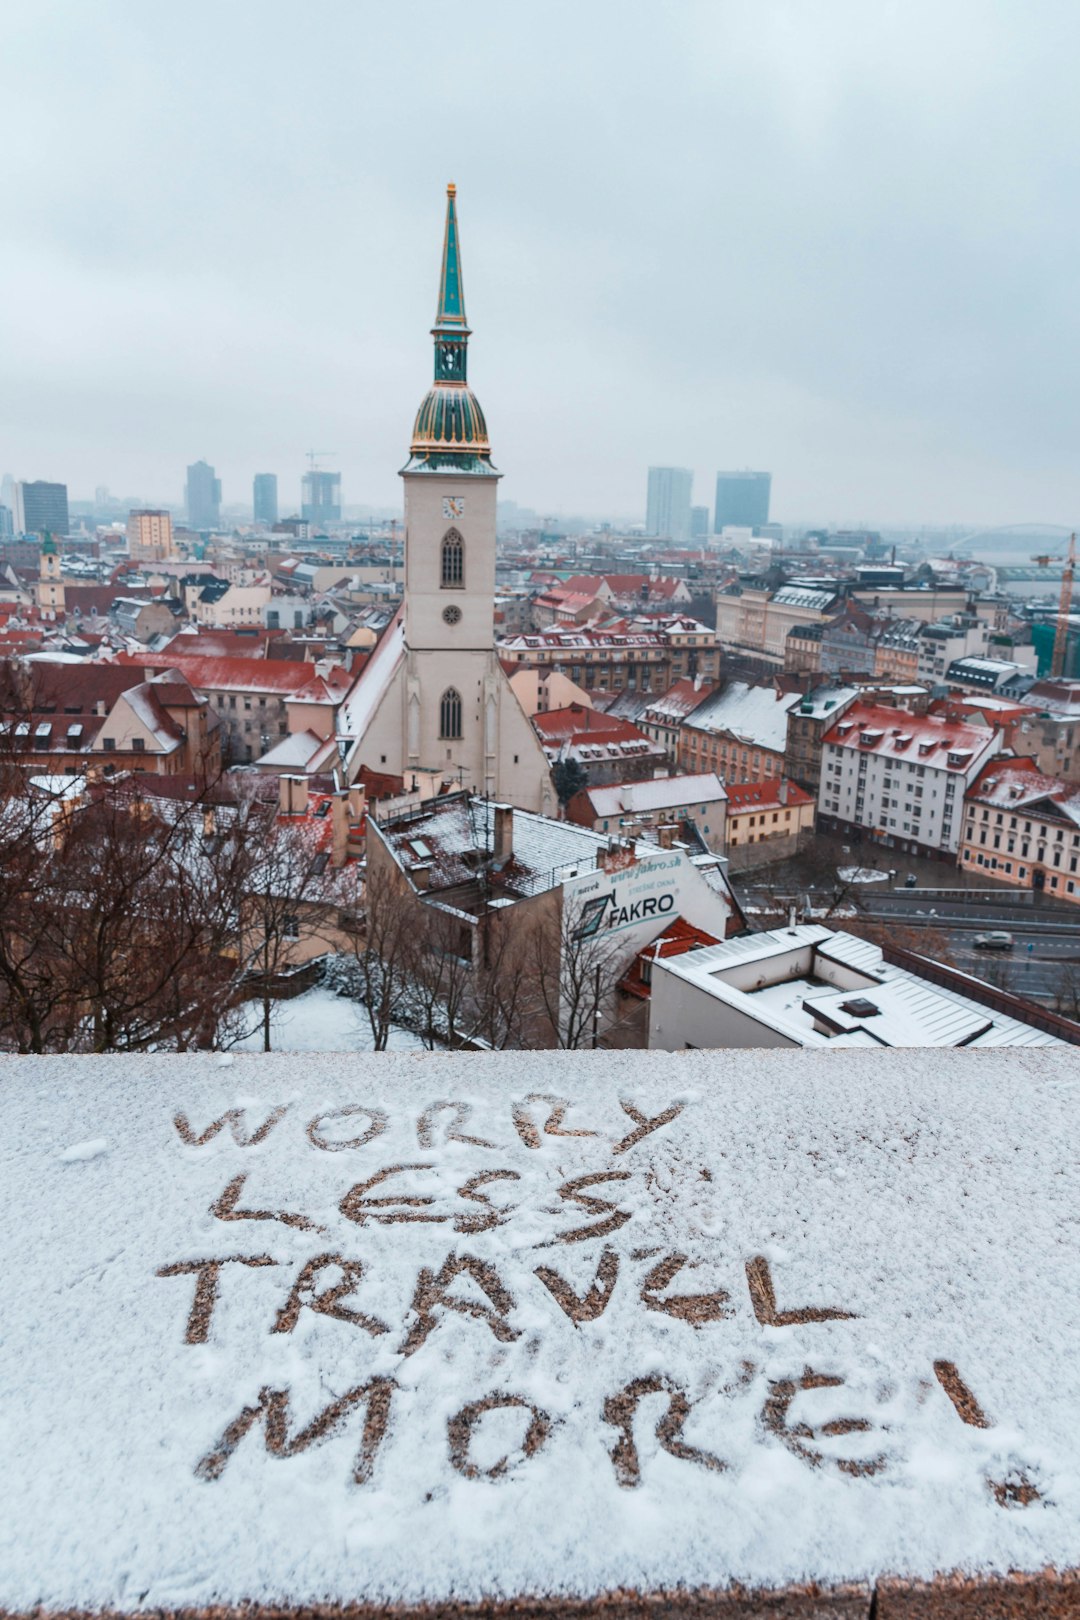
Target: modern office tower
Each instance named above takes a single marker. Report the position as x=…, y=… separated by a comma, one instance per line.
x=265, y=494
x=41, y=508
x=202, y=497
x=699, y=522
x=668, y=510
x=321, y=497
x=7, y=522
x=742, y=500
x=150, y=535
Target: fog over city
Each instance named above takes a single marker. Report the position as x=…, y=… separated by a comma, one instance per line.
x=835, y=240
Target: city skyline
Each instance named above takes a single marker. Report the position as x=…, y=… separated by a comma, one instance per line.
x=851, y=289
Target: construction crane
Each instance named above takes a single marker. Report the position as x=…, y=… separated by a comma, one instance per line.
x=1061, y=633
x=312, y=454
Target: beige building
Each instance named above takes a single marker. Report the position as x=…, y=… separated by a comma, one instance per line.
x=433, y=693
x=1023, y=828
x=150, y=536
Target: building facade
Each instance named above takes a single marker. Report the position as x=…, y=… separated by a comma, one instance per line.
x=320, y=499
x=1023, y=828
x=150, y=535
x=41, y=508
x=264, y=497
x=901, y=777
x=668, y=503
x=202, y=496
x=742, y=500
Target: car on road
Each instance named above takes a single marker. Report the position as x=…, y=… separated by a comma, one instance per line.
x=996, y=940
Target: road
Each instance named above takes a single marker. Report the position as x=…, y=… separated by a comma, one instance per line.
x=1046, y=952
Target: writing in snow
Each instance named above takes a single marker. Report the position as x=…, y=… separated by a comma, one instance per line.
x=328, y=1283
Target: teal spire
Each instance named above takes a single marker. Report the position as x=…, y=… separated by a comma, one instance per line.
x=451, y=330
x=450, y=316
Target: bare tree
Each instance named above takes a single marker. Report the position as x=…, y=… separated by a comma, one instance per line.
x=387, y=953
x=575, y=963
x=286, y=892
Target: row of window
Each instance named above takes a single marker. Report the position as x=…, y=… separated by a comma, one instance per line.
x=992, y=864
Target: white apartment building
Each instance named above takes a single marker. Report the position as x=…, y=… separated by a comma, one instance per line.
x=901, y=777
x=962, y=636
x=808, y=986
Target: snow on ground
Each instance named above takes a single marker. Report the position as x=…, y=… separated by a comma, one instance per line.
x=384, y=1328
x=861, y=874
x=320, y=1021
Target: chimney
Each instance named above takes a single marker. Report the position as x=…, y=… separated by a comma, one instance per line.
x=339, y=827
x=504, y=833
x=293, y=795
x=782, y=791
x=665, y=834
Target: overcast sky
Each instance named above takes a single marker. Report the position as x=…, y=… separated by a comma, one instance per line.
x=837, y=240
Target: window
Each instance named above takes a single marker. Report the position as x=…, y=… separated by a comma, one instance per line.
x=138, y=744
x=290, y=926
x=453, y=562
x=450, y=714
x=108, y=742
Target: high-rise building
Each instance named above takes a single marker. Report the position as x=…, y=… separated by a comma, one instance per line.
x=150, y=535
x=41, y=508
x=202, y=497
x=668, y=508
x=742, y=500
x=320, y=500
x=7, y=522
x=265, y=495
x=434, y=696
x=699, y=522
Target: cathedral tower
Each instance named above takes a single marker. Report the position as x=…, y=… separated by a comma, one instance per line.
x=433, y=696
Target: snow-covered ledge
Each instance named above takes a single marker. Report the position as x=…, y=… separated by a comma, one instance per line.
x=450, y=1330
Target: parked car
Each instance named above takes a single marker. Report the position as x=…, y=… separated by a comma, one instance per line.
x=996, y=940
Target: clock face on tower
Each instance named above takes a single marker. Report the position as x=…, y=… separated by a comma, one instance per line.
x=453, y=506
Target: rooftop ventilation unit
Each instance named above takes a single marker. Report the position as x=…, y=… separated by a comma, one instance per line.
x=860, y=1007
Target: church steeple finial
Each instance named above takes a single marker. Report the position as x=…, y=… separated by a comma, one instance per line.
x=450, y=315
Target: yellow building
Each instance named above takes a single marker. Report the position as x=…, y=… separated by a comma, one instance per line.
x=150, y=535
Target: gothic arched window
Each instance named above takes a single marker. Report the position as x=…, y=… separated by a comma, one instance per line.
x=450, y=714
x=453, y=561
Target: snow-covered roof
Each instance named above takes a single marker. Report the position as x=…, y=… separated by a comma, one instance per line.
x=457, y=826
x=799, y=596
x=894, y=733
x=669, y=1323
x=367, y=691
x=1017, y=785
x=291, y=753
x=656, y=793
x=791, y=995
x=753, y=714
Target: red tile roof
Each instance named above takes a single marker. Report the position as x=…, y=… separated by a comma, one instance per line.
x=678, y=938
x=894, y=733
x=275, y=675
x=765, y=796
